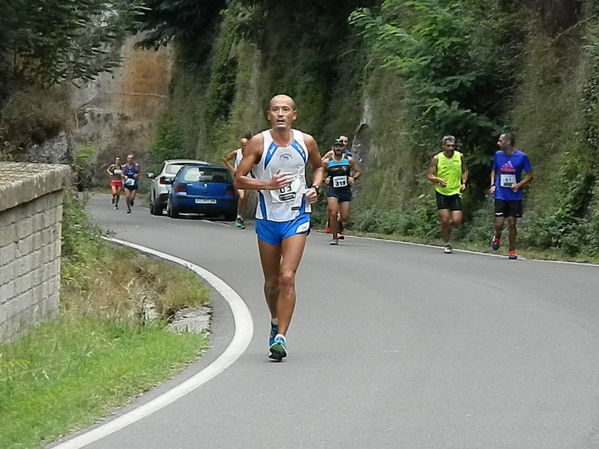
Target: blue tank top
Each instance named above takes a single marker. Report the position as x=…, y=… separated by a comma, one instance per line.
x=339, y=172
x=130, y=173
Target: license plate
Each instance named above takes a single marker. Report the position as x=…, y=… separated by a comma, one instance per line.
x=205, y=201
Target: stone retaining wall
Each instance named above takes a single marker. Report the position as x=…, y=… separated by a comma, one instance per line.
x=30, y=229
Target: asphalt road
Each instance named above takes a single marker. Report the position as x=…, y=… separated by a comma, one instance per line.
x=392, y=346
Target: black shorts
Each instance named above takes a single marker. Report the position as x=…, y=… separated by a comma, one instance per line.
x=508, y=208
x=451, y=202
x=342, y=195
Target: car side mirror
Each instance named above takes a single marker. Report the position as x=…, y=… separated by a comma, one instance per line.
x=150, y=175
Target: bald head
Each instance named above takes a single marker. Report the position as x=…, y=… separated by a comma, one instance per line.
x=243, y=142
x=282, y=98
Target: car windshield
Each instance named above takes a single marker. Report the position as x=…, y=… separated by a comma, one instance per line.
x=172, y=169
x=200, y=174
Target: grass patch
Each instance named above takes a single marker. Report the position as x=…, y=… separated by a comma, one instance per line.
x=102, y=350
x=67, y=374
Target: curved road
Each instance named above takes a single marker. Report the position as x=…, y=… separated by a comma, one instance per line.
x=392, y=346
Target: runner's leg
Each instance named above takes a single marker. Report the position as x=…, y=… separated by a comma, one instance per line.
x=499, y=223
x=270, y=256
x=511, y=222
x=456, y=218
x=240, y=202
x=292, y=250
x=332, y=210
x=344, y=214
x=444, y=219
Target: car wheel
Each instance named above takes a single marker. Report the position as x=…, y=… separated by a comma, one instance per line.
x=154, y=209
x=171, y=211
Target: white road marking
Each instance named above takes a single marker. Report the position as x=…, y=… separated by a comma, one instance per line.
x=480, y=253
x=244, y=329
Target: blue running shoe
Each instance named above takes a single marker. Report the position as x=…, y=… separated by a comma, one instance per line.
x=274, y=330
x=278, y=350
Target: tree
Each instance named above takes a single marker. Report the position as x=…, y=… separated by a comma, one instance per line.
x=53, y=41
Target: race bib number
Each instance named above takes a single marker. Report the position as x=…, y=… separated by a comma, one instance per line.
x=507, y=180
x=340, y=181
x=129, y=182
x=287, y=193
x=118, y=172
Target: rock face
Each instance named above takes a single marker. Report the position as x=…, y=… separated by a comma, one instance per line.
x=193, y=320
x=118, y=111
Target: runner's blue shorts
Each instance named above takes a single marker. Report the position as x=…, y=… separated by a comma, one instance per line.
x=274, y=232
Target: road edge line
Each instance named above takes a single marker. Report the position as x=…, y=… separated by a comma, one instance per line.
x=244, y=330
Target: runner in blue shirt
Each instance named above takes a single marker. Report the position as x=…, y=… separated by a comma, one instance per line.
x=506, y=186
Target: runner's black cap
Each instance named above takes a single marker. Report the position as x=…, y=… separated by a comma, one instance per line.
x=338, y=142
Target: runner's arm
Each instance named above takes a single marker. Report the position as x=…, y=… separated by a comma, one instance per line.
x=108, y=169
x=492, y=185
x=317, y=171
x=432, y=173
x=356, y=169
x=227, y=160
x=527, y=178
x=464, y=174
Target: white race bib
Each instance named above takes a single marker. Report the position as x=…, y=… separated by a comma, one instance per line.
x=118, y=172
x=129, y=182
x=287, y=193
x=507, y=180
x=340, y=181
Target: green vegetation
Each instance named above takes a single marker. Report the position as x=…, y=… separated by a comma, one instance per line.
x=102, y=350
x=169, y=142
x=400, y=74
x=55, y=41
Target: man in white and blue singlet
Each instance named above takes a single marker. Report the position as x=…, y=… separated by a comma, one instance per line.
x=235, y=157
x=274, y=164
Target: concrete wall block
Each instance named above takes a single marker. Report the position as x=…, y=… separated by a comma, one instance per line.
x=7, y=292
x=12, y=215
x=30, y=224
x=25, y=245
x=38, y=222
x=36, y=258
x=36, y=240
x=48, y=253
x=7, y=273
x=47, y=236
x=8, y=232
x=50, y=270
x=24, y=227
x=49, y=217
x=8, y=253
x=37, y=276
x=24, y=265
x=23, y=284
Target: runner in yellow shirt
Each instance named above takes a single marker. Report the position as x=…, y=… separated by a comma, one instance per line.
x=449, y=174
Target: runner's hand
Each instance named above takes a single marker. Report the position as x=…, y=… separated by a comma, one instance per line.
x=351, y=179
x=442, y=182
x=515, y=187
x=327, y=180
x=311, y=195
x=492, y=190
x=279, y=180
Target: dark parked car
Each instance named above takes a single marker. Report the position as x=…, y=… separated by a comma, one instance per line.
x=202, y=189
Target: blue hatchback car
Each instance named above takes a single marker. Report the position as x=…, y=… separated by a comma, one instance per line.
x=202, y=189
